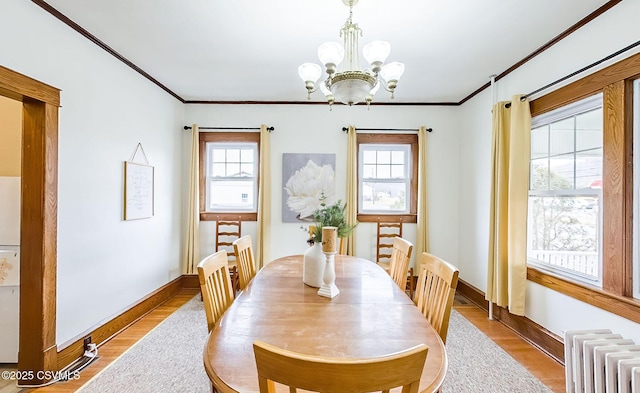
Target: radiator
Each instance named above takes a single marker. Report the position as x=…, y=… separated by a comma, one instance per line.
x=599, y=361
x=600, y=354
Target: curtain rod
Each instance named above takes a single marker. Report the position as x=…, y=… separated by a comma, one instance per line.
x=583, y=69
x=346, y=129
x=229, y=128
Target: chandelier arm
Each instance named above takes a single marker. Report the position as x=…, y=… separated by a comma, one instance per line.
x=383, y=83
x=317, y=86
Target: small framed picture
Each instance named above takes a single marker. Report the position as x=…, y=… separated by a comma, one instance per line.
x=138, y=191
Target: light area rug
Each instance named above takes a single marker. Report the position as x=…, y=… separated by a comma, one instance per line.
x=479, y=365
x=169, y=359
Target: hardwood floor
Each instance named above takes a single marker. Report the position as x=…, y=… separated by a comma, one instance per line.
x=550, y=372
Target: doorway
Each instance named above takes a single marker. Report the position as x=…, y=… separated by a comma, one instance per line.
x=38, y=221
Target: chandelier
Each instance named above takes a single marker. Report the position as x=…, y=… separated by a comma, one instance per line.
x=351, y=85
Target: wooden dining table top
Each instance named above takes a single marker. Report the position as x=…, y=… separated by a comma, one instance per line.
x=370, y=317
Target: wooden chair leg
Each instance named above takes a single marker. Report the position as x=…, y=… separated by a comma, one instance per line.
x=235, y=280
x=410, y=283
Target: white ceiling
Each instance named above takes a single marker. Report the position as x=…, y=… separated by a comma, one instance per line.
x=249, y=50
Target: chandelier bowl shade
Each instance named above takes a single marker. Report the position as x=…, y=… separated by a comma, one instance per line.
x=352, y=87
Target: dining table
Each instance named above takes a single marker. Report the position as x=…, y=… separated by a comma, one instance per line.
x=370, y=317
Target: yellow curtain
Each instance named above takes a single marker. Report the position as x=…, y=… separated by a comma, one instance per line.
x=191, y=253
x=422, y=240
x=352, y=188
x=264, y=199
x=507, y=270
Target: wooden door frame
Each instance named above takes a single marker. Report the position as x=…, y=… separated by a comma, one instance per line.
x=38, y=223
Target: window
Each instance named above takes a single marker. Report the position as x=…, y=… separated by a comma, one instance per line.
x=565, y=192
x=619, y=271
x=229, y=175
x=387, y=176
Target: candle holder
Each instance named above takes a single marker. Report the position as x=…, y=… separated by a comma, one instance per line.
x=329, y=288
x=329, y=241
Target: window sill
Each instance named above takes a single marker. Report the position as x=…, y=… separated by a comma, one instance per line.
x=404, y=218
x=211, y=216
x=625, y=307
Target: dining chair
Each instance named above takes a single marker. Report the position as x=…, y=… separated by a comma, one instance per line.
x=398, y=265
x=386, y=232
x=436, y=288
x=343, y=375
x=246, y=261
x=228, y=230
x=215, y=286
x=385, y=239
x=400, y=260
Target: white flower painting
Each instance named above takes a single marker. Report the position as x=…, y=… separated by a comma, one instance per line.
x=309, y=178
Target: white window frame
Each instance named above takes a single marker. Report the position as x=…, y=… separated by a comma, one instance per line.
x=406, y=179
x=568, y=111
x=210, y=179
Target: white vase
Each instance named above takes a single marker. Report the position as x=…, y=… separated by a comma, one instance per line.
x=313, y=266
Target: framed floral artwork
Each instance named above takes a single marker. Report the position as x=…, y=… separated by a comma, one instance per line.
x=307, y=179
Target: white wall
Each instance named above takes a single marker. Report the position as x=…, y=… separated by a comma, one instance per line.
x=315, y=129
x=104, y=263
x=614, y=30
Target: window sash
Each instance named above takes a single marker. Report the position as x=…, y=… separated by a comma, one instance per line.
x=404, y=179
x=542, y=125
x=213, y=204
